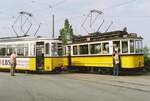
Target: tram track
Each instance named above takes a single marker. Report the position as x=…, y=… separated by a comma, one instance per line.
x=122, y=82
x=75, y=87
x=116, y=83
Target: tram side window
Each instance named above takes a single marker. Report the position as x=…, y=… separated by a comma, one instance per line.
x=26, y=51
x=105, y=48
x=131, y=46
x=75, y=52
x=95, y=48
x=2, y=51
x=138, y=46
x=9, y=51
x=32, y=49
x=47, y=48
x=64, y=51
x=20, y=50
x=60, y=51
x=124, y=46
x=10, y=48
x=54, y=49
x=83, y=49
x=141, y=46
x=116, y=46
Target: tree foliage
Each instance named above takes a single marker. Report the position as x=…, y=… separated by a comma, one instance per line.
x=66, y=33
x=146, y=53
x=146, y=57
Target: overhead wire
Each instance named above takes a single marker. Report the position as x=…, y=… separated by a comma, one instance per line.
x=123, y=4
x=120, y=4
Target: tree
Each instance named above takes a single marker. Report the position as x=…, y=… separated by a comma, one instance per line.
x=146, y=53
x=146, y=58
x=66, y=33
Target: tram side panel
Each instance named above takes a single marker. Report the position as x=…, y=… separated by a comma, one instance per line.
x=32, y=64
x=92, y=61
x=52, y=63
x=65, y=62
x=48, y=64
x=132, y=61
x=127, y=61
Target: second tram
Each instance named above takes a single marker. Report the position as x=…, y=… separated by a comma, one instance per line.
x=94, y=52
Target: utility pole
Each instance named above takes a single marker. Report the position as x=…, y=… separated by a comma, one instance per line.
x=53, y=26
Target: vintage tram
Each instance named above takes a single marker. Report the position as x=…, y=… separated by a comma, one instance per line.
x=94, y=51
x=33, y=53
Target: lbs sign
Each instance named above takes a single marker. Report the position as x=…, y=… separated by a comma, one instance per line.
x=21, y=62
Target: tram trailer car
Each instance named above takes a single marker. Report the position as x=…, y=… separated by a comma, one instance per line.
x=94, y=52
x=33, y=53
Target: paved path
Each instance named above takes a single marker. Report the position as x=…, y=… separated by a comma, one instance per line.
x=74, y=87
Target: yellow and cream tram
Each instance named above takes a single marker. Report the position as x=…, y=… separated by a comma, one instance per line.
x=95, y=51
x=33, y=53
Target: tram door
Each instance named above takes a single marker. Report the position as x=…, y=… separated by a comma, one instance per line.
x=40, y=57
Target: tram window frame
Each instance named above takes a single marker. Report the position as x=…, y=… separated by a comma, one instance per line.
x=75, y=50
x=26, y=51
x=32, y=49
x=59, y=49
x=9, y=49
x=82, y=50
x=20, y=49
x=138, y=46
x=3, y=52
x=47, y=48
x=116, y=44
x=54, y=50
x=124, y=48
x=94, y=46
x=105, y=48
x=64, y=51
x=132, y=46
x=141, y=46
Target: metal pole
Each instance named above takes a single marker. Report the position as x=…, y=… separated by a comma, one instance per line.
x=53, y=26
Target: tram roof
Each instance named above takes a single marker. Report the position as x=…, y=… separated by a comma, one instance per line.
x=106, y=36
x=24, y=38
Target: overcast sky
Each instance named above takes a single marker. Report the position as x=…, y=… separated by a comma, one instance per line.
x=133, y=14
